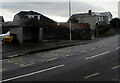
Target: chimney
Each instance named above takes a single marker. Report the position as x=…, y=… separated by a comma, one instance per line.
x=90, y=12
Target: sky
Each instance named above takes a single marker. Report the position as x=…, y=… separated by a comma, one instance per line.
x=56, y=9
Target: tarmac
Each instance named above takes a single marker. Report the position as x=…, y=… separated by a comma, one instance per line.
x=14, y=50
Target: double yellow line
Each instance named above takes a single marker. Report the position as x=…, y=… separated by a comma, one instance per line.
x=52, y=59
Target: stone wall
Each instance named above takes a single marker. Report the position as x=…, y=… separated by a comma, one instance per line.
x=19, y=32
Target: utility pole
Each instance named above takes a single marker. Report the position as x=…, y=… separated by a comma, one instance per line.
x=57, y=32
x=70, y=21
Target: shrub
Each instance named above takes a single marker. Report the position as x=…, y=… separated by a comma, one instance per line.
x=103, y=28
x=115, y=23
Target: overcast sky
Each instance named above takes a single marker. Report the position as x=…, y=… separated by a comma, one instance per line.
x=56, y=9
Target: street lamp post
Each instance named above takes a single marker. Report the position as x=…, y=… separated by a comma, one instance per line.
x=57, y=32
x=70, y=21
x=96, y=29
x=117, y=25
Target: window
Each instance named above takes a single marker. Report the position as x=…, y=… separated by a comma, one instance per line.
x=34, y=16
x=30, y=16
x=100, y=18
x=38, y=17
x=79, y=18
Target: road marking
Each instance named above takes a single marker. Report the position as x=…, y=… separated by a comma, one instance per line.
x=91, y=75
x=115, y=79
x=83, y=51
x=3, y=69
x=56, y=54
x=116, y=67
x=13, y=56
x=42, y=60
x=3, y=60
x=100, y=46
x=97, y=55
x=9, y=61
x=69, y=55
x=15, y=63
x=29, y=74
x=14, y=60
x=92, y=49
x=52, y=59
x=24, y=65
x=118, y=48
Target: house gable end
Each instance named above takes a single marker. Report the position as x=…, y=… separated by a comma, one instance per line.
x=1, y=19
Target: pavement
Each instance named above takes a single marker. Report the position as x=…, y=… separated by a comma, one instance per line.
x=13, y=50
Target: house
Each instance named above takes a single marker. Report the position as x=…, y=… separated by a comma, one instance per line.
x=32, y=31
x=23, y=15
x=92, y=18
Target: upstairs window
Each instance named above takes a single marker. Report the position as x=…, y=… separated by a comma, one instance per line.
x=34, y=16
x=100, y=18
x=30, y=16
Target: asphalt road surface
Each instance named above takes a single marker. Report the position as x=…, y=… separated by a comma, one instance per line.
x=96, y=61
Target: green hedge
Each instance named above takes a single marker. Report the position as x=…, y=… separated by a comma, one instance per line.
x=103, y=28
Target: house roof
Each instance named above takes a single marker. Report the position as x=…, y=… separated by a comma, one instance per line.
x=22, y=14
x=1, y=19
x=92, y=14
x=105, y=14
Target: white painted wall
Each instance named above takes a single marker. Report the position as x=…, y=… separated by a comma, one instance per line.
x=92, y=20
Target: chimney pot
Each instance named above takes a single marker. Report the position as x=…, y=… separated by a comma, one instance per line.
x=90, y=12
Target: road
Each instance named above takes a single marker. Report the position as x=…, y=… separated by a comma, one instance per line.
x=96, y=61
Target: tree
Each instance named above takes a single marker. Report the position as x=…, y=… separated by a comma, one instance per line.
x=115, y=23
